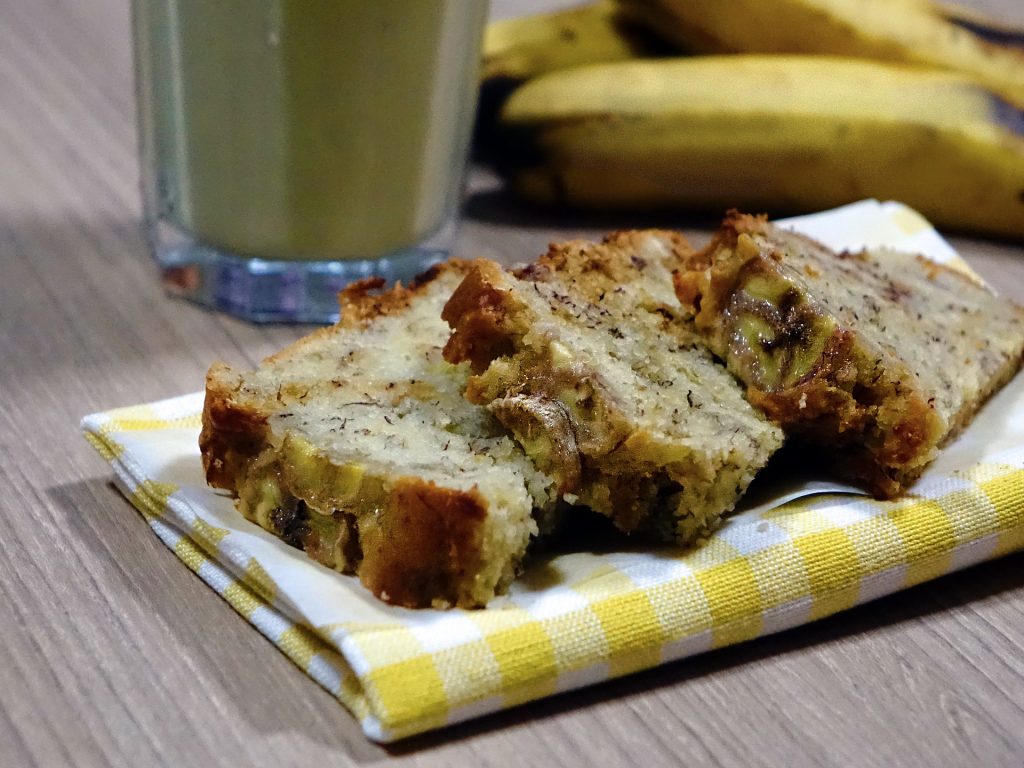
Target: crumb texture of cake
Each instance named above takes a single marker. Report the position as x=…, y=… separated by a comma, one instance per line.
x=356, y=445
x=585, y=357
x=877, y=357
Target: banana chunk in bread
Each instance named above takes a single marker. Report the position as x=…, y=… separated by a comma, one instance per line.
x=584, y=356
x=879, y=358
x=356, y=445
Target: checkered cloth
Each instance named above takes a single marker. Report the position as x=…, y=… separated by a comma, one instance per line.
x=576, y=619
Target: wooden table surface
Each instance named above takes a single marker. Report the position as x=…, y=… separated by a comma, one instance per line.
x=115, y=654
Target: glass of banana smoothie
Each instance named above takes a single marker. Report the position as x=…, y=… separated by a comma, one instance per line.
x=289, y=147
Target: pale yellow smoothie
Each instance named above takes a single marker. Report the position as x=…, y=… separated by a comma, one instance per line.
x=306, y=129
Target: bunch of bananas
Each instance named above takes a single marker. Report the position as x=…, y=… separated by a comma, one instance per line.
x=790, y=105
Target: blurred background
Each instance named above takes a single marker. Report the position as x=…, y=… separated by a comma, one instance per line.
x=781, y=106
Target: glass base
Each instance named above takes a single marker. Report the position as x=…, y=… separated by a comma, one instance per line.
x=278, y=291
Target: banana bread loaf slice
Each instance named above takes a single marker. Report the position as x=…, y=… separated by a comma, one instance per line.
x=878, y=358
x=356, y=445
x=584, y=356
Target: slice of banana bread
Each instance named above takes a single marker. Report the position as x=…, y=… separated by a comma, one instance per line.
x=879, y=358
x=356, y=445
x=584, y=356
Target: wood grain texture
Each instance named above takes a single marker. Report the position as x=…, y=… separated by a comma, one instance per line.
x=115, y=654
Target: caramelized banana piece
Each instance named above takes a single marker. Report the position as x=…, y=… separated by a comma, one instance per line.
x=877, y=358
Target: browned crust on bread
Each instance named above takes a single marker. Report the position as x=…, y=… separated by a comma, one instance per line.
x=579, y=355
x=879, y=442
x=231, y=434
x=478, y=310
x=855, y=397
x=426, y=544
x=363, y=300
x=412, y=543
x=478, y=313
x=581, y=256
x=737, y=223
x=423, y=544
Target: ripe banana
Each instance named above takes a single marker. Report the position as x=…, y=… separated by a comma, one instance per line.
x=520, y=48
x=915, y=31
x=515, y=50
x=982, y=25
x=774, y=133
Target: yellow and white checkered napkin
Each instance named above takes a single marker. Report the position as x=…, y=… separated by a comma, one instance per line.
x=576, y=619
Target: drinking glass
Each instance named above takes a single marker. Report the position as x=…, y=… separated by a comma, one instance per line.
x=289, y=147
